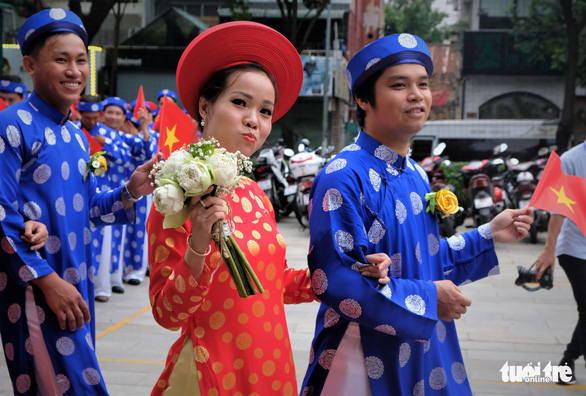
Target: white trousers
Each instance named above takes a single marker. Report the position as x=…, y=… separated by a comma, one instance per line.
x=348, y=376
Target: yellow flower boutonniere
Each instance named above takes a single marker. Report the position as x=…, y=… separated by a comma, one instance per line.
x=97, y=164
x=444, y=201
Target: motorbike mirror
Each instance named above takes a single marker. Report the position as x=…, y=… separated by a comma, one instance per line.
x=288, y=152
x=439, y=149
x=501, y=148
x=542, y=151
x=300, y=147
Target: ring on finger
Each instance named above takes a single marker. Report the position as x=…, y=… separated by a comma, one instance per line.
x=202, y=204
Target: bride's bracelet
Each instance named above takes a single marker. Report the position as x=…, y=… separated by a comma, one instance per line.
x=196, y=253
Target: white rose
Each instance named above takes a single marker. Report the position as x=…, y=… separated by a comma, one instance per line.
x=224, y=168
x=194, y=177
x=174, y=162
x=168, y=199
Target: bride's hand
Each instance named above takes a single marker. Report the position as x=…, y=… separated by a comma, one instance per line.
x=205, y=210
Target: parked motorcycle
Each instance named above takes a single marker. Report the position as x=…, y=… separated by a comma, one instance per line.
x=272, y=174
x=437, y=181
x=487, y=190
x=304, y=167
x=525, y=177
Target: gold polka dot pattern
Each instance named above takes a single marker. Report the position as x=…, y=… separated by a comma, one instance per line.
x=161, y=254
x=229, y=381
x=170, y=242
x=217, y=320
x=180, y=284
x=253, y=248
x=201, y=354
x=243, y=341
x=246, y=205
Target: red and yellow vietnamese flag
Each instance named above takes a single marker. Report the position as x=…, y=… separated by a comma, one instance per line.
x=140, y=103
x=94, y=145
x=176, y=128
x=561, y=193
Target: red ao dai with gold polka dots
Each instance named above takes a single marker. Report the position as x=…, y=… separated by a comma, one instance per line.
x=240, y=345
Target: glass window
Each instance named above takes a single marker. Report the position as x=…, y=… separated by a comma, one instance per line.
x=519, y=105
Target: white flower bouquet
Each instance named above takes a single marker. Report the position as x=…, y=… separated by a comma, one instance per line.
x=190, y=171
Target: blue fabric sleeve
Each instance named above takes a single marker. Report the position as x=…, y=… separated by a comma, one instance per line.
x=470, y=256
x=21, y=263
x=106, y=207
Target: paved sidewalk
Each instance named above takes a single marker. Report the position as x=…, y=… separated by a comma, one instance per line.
x=504, y=323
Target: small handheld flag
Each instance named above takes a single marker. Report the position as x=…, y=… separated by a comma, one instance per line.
x=140, y=103
x=176, y=128
x=561, y=193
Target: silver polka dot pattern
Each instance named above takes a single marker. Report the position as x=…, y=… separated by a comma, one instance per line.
x=396, y=267
x=326, y=358
x=331, y=317
x=404, y=354
x=91, y=376
x=32, y=210
x=65, y=134
x=437, y=378
x=344, y=241
x=319, y=281
x=60, y=206
x=456, y=242
x=494, y=270
x=440, y=330
x=376, y=232
x=458, y=372
x=13, y=135
x=78, y=202
x=53, y=244
x=433, y=244
x=335, y=165
x=375, y=179
x=65, y=346
x=350, y=308
x=400, y=212
x=416, y=203
x=387, y=329
x=25, y=116
x=332, y=200
x=485, y=231
x=42, y=174
x=415, y=304
x=419, y=389
x=374, y=367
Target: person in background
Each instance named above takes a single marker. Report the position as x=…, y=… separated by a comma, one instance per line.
x=12, y=90
x=566, y=241
x=398, y=339
x=168, y=93
x=114, y=112
x=134, y=260
x=125, y=152
x=228, y=344
x=47, y=296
